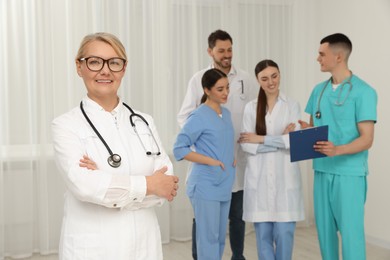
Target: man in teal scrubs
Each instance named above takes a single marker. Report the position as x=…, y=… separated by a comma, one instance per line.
x=347, y=105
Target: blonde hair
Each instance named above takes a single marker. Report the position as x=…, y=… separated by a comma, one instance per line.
x=108, y=38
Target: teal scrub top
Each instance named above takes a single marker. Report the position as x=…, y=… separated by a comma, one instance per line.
x=341, y=109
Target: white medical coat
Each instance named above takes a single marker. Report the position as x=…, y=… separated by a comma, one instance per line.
x=243, y=88
x=96, y=226
x=272, y=188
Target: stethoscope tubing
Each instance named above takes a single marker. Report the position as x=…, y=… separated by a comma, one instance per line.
x=94, y=129
x=337, y=103
x=133, y=114
x=114, y=160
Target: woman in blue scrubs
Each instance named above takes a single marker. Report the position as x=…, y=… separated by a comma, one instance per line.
x=210, y=131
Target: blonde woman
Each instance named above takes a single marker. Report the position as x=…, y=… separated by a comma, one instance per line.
x=111, y=192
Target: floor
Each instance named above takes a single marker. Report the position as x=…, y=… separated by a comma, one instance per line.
x=305, y=248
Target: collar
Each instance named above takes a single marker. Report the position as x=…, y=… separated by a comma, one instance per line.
x=232, y=72
x=281, y=97
x=92, y=105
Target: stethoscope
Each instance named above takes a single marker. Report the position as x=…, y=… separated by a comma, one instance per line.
x=114, y=160
x=337, y=103
x=242, y=94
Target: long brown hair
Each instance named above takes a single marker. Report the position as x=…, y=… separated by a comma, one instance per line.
x=261, y=127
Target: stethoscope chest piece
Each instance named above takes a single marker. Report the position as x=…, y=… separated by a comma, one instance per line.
x=318, y=114
x=114, y=160
x=242, y=96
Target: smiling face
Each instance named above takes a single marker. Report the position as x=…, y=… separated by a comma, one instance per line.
x=222, y=54
x=269, y=79
x=328, y=58
x=103, y=84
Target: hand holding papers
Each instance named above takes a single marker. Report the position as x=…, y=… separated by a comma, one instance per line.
x=302, y=141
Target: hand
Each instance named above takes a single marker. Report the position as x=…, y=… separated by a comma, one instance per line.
x=289, y=128
x=217, y=163
x=162, y=185
x=246, y=137
x=304, y=124
x=325, y=147
x=85, y=162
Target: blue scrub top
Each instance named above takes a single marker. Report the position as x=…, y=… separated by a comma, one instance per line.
x=212, y=136
x=358, y=103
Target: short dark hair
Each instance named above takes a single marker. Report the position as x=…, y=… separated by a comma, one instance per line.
x=218, y=35
x=340, y=40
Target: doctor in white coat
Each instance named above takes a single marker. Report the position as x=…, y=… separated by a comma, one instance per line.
x=114, y=174
x=272, y=189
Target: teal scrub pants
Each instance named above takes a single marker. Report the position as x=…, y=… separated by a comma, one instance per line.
x=339, y=206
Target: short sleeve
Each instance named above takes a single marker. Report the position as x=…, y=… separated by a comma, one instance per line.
x=187, y=136
x=366, y=106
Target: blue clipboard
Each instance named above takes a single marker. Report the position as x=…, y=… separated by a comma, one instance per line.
x=302, y=141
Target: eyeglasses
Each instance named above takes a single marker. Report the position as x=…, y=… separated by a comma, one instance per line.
x=97, y=63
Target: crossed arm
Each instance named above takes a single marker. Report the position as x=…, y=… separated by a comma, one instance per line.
x=158, y=184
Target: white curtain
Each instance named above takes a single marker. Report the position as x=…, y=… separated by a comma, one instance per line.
x=166, y=42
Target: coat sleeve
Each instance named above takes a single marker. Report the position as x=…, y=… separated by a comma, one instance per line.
x=249, y=126
x=85, y=185
x=191, y=99
x=97, y=186
x=253, y=87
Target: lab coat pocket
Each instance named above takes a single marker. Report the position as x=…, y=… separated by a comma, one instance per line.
x=87, y=133
x=145, y=138
x=83, y=247
x=92, y=143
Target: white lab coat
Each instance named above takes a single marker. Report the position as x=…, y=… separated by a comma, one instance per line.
x=240, y=94
x=272, y=187
x=107, y=215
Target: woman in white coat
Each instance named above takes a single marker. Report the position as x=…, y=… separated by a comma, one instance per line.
x=272, y=189
x=114, y=175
